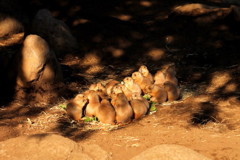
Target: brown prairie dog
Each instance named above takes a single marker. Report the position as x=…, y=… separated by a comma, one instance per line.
x=139, y=106
x=75, y=107
x=141, y=80
x=145, y=72
x=120, y=88
x=159, y=78
x=157, y=93
x=124, y=111
x=94, y=103
x=110, y=85
x=106, y=113
x=131, y=85
x=173, y=92
x=168, y=73
x=97, y=87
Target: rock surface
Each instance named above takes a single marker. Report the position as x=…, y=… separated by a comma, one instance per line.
x=49, y=147
x=170, y=152
x=37, y=62
x=11, y=31
x=56, y=32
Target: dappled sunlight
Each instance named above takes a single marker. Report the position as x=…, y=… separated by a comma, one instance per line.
x=123, y=17
x=90, y=59
x=156, y=54
x=145, y=3
x=116, y=52
x=93, y=69
x=79, y=21
x=218, y=80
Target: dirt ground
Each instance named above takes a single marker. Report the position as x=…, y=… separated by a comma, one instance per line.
x=115, y=38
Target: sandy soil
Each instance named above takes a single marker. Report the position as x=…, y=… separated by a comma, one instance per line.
x=115, y=39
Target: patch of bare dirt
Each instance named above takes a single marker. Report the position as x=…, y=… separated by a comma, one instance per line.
x=115, y=40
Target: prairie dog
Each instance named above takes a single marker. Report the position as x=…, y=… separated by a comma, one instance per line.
x=124, y=111
x=97, y=87
x=159, y=78
x=93, y=105
x=168, y=73
x=141, y=80
x=106, y=112
x=126, y=91
x=110, y=85
x=173, y=92
x=75, y=107
x=145, y=72
x=157, y=93
x=139, y=106
x=132, y=86
x=116, y=89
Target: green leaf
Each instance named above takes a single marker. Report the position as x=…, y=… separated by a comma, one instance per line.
x=89, y=119
x=147, y=96
x=64, y=106
x=153, y=106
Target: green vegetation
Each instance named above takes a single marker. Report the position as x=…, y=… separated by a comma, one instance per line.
x=153, y=106
x=89, y=119
x=63, y=106
x=147, y=97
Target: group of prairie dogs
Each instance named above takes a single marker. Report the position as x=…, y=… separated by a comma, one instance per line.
x=117, y=102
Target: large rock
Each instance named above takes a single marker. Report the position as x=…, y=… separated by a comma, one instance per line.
x=48, y=147
x=11, y=31
x=37, y=63
x=232, y=1
x=170, y=152
x=54, y=31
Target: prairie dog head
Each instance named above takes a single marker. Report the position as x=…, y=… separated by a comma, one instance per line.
x=149, y=88
x=170, y=69
x=137, y=76
x=117, y=89
x=128, y=80
x=80, y=99
x=136, y=95
x=92, y=96
x=144, y=70
x=97, y=87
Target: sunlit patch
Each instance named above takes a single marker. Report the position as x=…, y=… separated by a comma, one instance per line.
x=145, y=3
x=169, y=39
x=116, y=52
x=232, y=87
x=79, y=21
x=94, y=69
x=156, y=54
x=73, y=10
x=219, y=79
x=123, y=17
x=90, y=59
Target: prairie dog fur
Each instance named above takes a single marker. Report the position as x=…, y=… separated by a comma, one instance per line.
x=139, y=106
x=75, y=107
x=173, y=92
x=157, y=93
x=141, y=80
x=93, y=105
x=145, y=72
x=124, y=111
x=106, y=112
x=131, y=85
